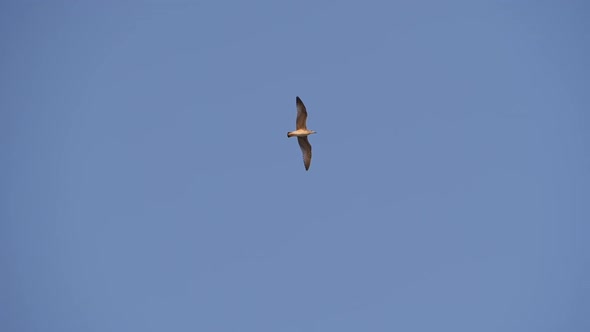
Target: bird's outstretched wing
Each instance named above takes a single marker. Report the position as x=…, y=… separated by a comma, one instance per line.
x=301, y=115
x=306, y=150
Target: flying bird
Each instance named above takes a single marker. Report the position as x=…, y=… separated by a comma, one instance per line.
x=302, y=132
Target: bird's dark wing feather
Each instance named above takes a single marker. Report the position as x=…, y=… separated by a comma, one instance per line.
x=301, y=115
x=306, y=150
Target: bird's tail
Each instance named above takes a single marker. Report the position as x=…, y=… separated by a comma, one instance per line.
x=289, y=134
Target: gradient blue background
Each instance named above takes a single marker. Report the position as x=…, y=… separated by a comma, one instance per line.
x=147, y=183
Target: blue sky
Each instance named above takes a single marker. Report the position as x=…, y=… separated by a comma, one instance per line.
x=147, y=183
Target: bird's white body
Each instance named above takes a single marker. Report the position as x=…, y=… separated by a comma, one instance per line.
x=300, y=133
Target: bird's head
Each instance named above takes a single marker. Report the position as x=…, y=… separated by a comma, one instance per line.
x=313, y=132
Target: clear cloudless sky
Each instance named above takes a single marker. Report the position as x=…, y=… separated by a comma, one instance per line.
x=147, y=183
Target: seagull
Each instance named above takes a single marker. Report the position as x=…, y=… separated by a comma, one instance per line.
x=302, y=132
